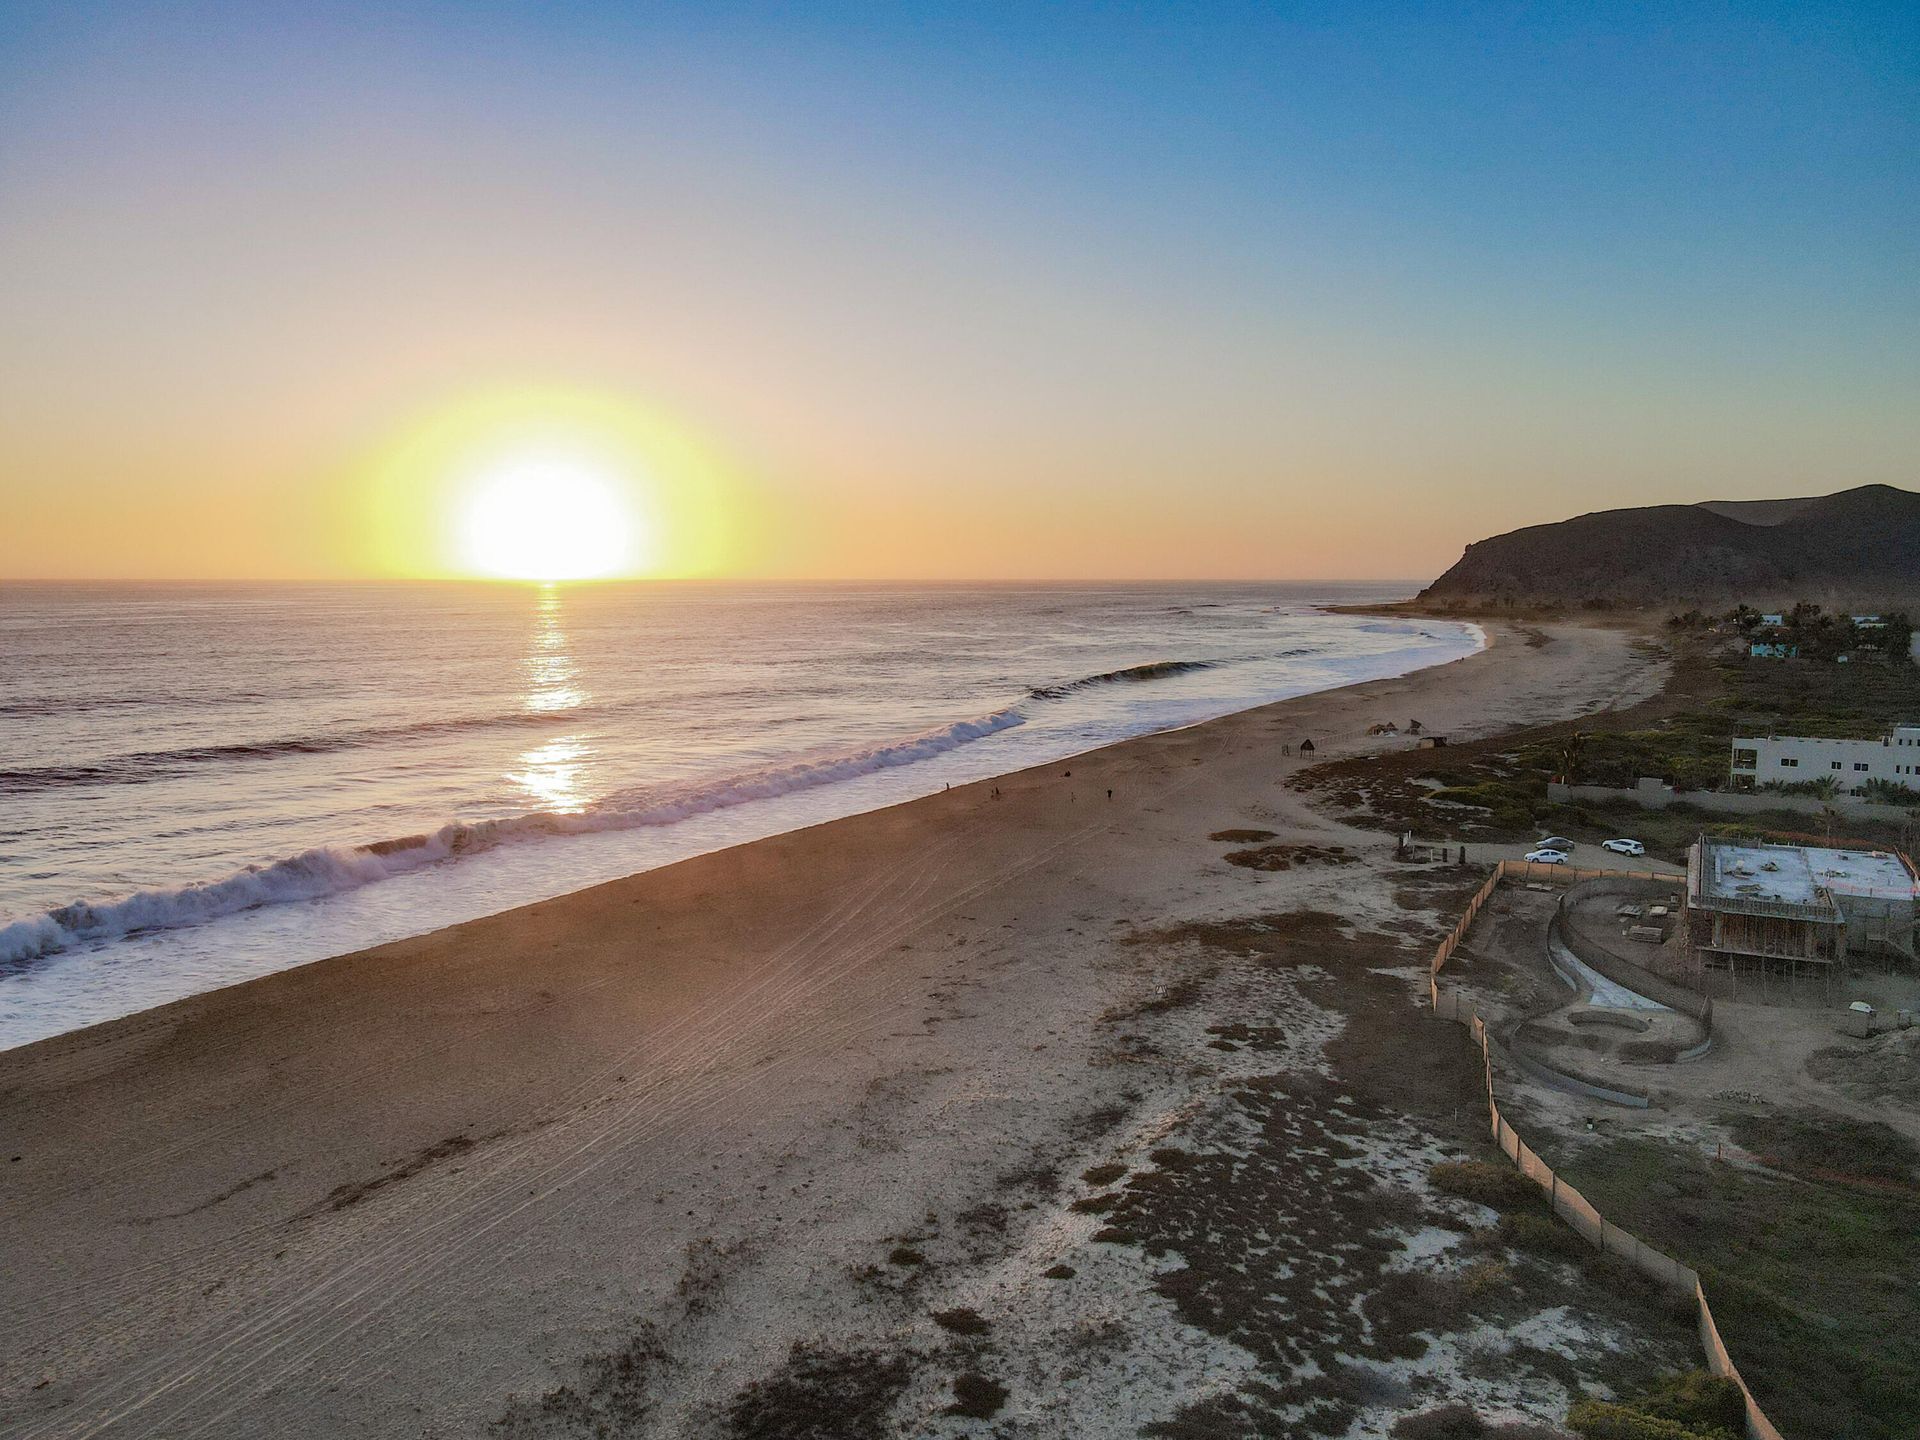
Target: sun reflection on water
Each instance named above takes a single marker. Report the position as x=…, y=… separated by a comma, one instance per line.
x=552, y=773
x=552, y=676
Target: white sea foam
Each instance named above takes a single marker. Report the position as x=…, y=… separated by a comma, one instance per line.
x=579, y=736
x=333, y=870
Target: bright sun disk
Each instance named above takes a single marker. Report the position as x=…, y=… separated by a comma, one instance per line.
x=548, y=519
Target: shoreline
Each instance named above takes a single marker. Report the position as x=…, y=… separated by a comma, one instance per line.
x=439, y=852
x=696, y=1110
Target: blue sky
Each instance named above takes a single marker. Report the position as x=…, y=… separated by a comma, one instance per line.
x=980, y=270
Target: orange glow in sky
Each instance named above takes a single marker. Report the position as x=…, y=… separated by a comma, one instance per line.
x=546, y=484
x=1174, y=292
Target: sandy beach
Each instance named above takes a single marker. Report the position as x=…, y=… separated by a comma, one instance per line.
x=937, y=1120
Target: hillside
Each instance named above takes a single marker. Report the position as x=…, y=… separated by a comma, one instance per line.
x=1855, y=547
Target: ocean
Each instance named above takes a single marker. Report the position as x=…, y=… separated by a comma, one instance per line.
x=204, y=783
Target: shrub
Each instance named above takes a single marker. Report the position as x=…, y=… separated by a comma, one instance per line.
x=1542, y=1235
x=1496, y=1186
x=1696, y=1397
x=1449, y=1422
x=1484, y=1277
x=961, y=1322
x=1600, y=1420
x=1689, y=1406
x=976, y=1396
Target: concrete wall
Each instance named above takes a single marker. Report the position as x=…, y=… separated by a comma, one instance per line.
x=1594, y=951
x=1652, y=795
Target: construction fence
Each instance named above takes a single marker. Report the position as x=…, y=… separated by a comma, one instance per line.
x=1567, y=1202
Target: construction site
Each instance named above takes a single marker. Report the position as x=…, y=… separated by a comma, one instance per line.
x=1764, y=1137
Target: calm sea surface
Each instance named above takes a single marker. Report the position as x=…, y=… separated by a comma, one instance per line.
x=199, y=784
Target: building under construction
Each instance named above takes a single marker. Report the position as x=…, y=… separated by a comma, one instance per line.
x=1797, y=909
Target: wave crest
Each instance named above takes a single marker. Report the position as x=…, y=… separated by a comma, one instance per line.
x=333, y=870
x=1154, y=670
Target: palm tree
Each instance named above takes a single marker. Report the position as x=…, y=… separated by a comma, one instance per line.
x=1570, y=756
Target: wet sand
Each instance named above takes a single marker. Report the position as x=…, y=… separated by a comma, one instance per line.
x=605, y=1161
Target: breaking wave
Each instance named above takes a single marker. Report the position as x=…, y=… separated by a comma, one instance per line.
x=331, y=870
x=335, y=869
x=1157, y=670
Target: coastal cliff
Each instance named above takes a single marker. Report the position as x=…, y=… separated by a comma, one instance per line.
x=1854, y=547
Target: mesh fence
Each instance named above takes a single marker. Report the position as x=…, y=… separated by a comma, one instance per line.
x=1568, y=1203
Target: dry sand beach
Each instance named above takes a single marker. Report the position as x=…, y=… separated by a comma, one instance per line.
x=1028, y=1113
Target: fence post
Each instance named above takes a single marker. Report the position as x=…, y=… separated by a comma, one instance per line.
x=1652, y=1262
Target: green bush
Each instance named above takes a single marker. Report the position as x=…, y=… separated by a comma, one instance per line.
x=1497, y=1186
x=1697, y=1398
x=1689, y=1406
x=1449, y=1422
x=1485, y=1277
x=1542, y=1235
x=1600, y=1420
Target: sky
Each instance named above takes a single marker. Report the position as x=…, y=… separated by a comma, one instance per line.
x=940, y=291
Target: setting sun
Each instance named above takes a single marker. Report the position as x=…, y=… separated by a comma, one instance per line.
x=542, y=483
x=550, y=519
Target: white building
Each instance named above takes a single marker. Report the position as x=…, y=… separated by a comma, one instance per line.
x=1794, y=759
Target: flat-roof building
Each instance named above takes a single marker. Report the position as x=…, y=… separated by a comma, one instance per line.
x=1798, y=908
x=1791, y=759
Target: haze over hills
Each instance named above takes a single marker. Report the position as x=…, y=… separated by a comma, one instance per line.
x=1852, y=548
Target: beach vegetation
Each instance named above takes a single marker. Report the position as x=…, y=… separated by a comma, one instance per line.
x=961, y=1321
x=977, y=1396
x=1809, y=1276
x=1448, y=1422
x=820, y=1394
x=1693, y=1405
x=1497, y=1186
x=1498, y=788
x=1541, y=1234
x=1485, y=1277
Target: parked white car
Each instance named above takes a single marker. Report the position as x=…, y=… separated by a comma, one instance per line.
x=1547, y=857
x=1624, y=847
